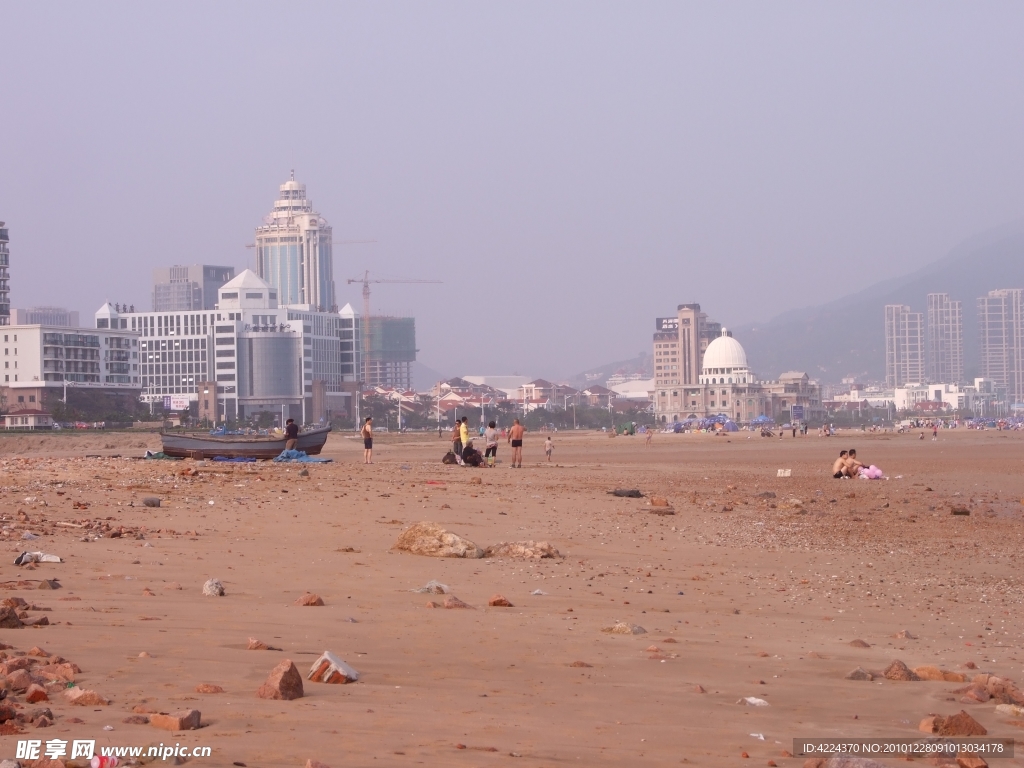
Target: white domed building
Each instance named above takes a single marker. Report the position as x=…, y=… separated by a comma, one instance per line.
x=727, y=386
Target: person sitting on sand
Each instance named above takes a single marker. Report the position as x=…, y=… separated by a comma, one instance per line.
x=852, y=465
x=839, y=467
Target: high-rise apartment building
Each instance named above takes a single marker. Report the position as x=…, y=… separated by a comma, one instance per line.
x=294, y=252
x=188, y=289
x=45, y=316
x=945, y=339
x=390, y=353
x=904, y=346
x=5, y=291
x=1001, y=327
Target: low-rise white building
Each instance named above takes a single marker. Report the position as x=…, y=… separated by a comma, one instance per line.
x=260, y=355
x=40, y=358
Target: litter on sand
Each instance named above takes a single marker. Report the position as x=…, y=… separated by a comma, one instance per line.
x=627, y=493
x=36, y=557
x=300, y=456
x=753, y=701
x=160, y=455
x=433, y=587
x=784, y=473
x=538, y=592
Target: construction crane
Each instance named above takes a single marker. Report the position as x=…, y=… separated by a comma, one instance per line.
x=365, y=280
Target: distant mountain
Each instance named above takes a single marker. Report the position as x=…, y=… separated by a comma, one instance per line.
x=846, y=337
x=424, y=377
x=642, y=363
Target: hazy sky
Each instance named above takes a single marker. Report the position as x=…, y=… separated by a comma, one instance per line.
x=569, y=170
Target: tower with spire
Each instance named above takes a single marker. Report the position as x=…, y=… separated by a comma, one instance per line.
x=294, y=253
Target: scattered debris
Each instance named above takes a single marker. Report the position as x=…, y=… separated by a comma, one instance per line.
x=330, y=669
x=431, y=540
x=624, y=628
x=525, y=550
x=433, y=587
x=36, y=557
x=753, y=701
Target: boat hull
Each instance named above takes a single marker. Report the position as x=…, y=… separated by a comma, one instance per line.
x=200, y=446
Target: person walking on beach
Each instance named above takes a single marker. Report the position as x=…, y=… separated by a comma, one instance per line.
x=515, y=438
x=291, y=435
x=549, y=446
x=491, y=441
x=650, y=435
x=367, y=433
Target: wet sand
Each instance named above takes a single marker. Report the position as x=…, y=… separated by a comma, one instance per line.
x=742, y=595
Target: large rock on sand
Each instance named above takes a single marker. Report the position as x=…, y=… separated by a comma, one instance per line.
x=431, y=540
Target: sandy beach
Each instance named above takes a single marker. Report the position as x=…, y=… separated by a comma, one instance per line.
x=754, y=586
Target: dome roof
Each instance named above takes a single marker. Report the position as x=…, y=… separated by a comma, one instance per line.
x=724, y=352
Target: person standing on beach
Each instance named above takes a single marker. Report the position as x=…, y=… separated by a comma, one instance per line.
x=515, y=438
x=650, y=434
x=491, y=441
x=549, y=446
x=367, y=433
x=457, y=440
x=291, y=435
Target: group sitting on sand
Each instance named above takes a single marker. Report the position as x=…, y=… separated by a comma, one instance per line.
x=847, y=465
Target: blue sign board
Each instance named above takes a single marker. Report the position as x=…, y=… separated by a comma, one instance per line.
x=797, y=413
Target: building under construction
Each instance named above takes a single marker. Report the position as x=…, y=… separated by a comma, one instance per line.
x=390, y=352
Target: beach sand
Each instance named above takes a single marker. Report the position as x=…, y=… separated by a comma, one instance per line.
x=741, y=594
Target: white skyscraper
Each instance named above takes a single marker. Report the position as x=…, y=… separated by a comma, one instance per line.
x=293, y=251
x=904, y=346
x=5, y=296
x=945, y=339
x=1001, y=324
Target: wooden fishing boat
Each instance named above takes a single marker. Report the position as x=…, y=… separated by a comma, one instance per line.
x=199, y=445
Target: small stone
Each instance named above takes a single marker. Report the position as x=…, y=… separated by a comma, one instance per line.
x=928, y=672
x=582, y=664
x=151, y=501
x=213, y=588
x=670, y=640
x=284, y=682
x=303, y=473
x=38, y=652
x=182, y=720
x=208, y=688
x=499, y=601
x=930, y=724
x=976, y=694
x=897, y=670
x=451, y=601
x=699, y=689
x=142, y=709
x=42, y=722
x=9, y=618
x=959, y=510
x=905, y=634
x=19, y=680
x=432, y=604
x=859, y=644
x=970, y=761
x=35, y=621
x=659, y=501
x=36, y=693
x=310, y=599
x=960, y=724
x=624, y=628
x=49, y=584
x=476, y=481
x=136, y=720
x=860, y=674
x=330, y=669
x=256, y=645
x=84, y=698
x=145, y=655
